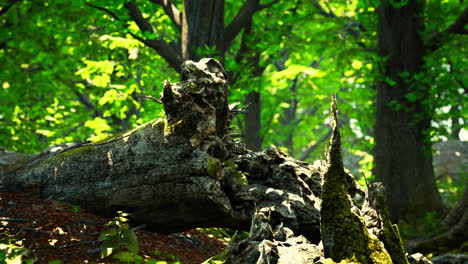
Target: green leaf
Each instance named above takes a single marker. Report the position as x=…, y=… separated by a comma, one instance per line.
x=356, y=64
x=109, y=97
x=389, y=81
x=131, y=241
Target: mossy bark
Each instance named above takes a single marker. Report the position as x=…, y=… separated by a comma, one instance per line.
x=378, y=222
x=344, y=234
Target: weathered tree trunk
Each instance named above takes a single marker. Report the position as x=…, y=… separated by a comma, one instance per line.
x=178, y=173
x=403, y=158
x=186, y=172
x=158, y=171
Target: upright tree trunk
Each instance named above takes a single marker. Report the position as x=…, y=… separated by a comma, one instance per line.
x=202, y=24
x=252, y=136
x=288, y=119
x=403, y=158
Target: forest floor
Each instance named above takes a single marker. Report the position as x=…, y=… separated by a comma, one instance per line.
x=60, y=231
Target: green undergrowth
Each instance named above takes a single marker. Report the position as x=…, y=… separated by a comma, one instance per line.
x=229, y=236
x=12, y=251
x=121, y=243
x=224, y=234
x=425, y=227
x=451, y=188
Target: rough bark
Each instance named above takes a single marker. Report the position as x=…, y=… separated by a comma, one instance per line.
x=202, y=24
x=376, y=216
x=403, y=158
x=344, y=235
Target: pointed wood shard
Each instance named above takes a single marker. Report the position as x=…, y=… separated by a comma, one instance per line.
x=334, y=158
x=344, y=235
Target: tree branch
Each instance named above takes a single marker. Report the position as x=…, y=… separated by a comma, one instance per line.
x=85, y=100
x=112, y=14
x=353, y=27
x=322, y=11
x=306, y=153
x=242, y=19
x=458, y=27
x=260, y=7
x=137, y=16
x=163, y=48
x=239, y=22
x=171, y=10
x=8, y=6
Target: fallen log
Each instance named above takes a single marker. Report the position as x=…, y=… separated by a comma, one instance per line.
x=186, y=171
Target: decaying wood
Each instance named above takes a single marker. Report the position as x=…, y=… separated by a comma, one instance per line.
x=186, y=171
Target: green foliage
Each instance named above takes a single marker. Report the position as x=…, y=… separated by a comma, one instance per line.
x=55, y=79
x=452, y=188
x=219, y=233
x=225, y=234
x=76, y=208
x=122, y=244
x=425, y=227
x=14, y=255
x=163, y=255
x=214, y=168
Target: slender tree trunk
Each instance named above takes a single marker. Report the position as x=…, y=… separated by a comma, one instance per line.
x=252, y=136
x=202, y=24
x=403, y=158
x=253, y=122
x=289, y=117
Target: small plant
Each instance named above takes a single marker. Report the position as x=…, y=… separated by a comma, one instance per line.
x=76, y=208
x=219, y=233
x=121, y=240
x=163, y=255
x=431, y=224
x=222, y=256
